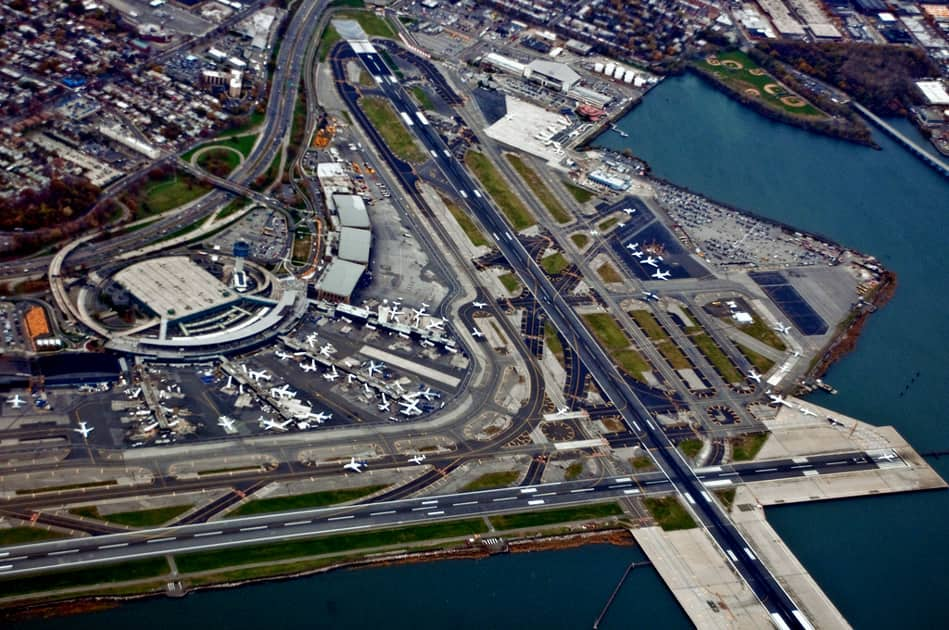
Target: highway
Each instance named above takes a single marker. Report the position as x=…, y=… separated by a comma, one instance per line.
x=268, y=528
x=783, y=611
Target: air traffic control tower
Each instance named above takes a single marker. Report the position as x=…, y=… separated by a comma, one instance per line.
x=241, y=251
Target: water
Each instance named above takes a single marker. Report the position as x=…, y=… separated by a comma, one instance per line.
x=880, y=559
x=557, y=589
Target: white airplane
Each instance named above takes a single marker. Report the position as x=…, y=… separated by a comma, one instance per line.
x=807, y=412
x=282, y=392
x=134, y=393
x=651, y=261
x=151, y=426
x=629, y=211
x=753, y=375
x=230, y=379
x=638, y=254
x=225, y=423
x=661, y=275
x=562, y=411
x=777, y=399
x=85, y=430
x=367, y=389
x=332, y=375
x=309, y=367
x=394, y=314
x=428, y=393
x=418, y=459
x=384, y=405
x=476, y=332
x=328, y=350
x=888, y=456
x=311, y=340
x=273, y=425
x=417, y=314
x=410, y=407
x=633, y=247
x=649, y=295
x=16, y=401
x=354, y=465
x=437, y=324
x=479, y=305
x=375, y=367
x=782, y=328
x=283, y=356
x=321, y=417
x=259, y=376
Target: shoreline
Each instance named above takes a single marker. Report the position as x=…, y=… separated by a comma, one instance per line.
x=34, y=608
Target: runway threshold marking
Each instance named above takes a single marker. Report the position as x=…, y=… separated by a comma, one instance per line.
x=382, y=513
x=341, y=518
x=203, y=534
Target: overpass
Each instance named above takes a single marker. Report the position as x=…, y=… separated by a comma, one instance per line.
x=931, y=160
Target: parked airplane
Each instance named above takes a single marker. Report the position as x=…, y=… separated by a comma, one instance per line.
x=418, y=314
x=662, y=275
x=753, y=375
x=375, y=367
x=479, y=305
x=649, y=295
x=309, y=367
x=807, y=412
x=638, y=254
x=321, y=416
x=282, y=392
x=85, y=430
x=354, y=465
x=311, y=340
x=428, y=393
x=633, y=247
x=418, y=459
x=476, y=332
x=410, y=407
x=259, y=375
x=332, y=375
x=782, y=328
x=384, y=405
x=225, y=423
x=777, y=399
x=437, y=324
x=651, y=261
x=283, y=356
x=562, y=411
x=16, y=401
x=328, y=350
x=629, y=211
x=888, y=456
x=271, y=425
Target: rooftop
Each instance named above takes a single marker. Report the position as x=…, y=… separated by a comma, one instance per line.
x=174, y=287
x=340, y=277
x=354, y=244
x=352, y=211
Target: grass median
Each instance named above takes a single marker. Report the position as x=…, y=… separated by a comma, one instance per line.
x=465, y=222
x=617, y=344
x=500, y=191
x=548, y=517
x=539, y=188
x=664, y=344
x=488, y=481
x=97, y=576
x=23, y=535
x=304, y=501
x=139, y=518
x=669, y=513
x=395, y=134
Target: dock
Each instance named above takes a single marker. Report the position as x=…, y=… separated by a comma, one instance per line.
x=619, y=585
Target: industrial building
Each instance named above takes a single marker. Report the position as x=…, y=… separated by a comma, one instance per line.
x=354, y=244
x=351, y=211
x=551, y=74
x=174, y=288
x=339, y=280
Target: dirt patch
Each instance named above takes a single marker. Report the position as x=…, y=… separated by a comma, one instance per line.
x=793, y=101
x=752, y=92
x=731, y=64
x=757, y=72
x=774, y=89
x=712, y=61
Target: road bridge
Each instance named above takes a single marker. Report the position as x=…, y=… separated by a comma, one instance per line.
x=941, y=166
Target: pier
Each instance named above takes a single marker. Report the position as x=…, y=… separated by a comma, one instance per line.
x=619, y=585
x=931, y=160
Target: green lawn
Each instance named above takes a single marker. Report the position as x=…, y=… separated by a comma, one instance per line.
x=219, y=162
x=496, y=186
x=539, y=188
x=605, y=225
x=657, y=334
x=690, y=447
x=487, y=481
x=23, y=535
x=582, y=195
x=510, y=282
x=327, y=41
x=746, y=447
x=761, y=362
x=573, y=471
x=244, y=144
x=158, y=196
x=374, y=25
x=763, y=333
x=632, y=362
x=606, y=329
x=552, y=341
x=106, y=574
x=608, y=273
x=554, y=264
x=140, y=518
x=642, y=463
x=254, y=120
x=717, y=358
x=272, y=552
x=71, y=486
x=384, y=118
x=303, y=501
x=743, y=79
x=669, y=513
x=466, y=223
x=547, y=517
x=580, y=240
x=422, y=97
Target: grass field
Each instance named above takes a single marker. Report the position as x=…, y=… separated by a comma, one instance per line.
x=234, y=206
x=760, y=331
x=387, y=123
x=22, y=535
x=642, y=463
x=374, y=25
x=303, y=501
x=608, y=331
x=669, y=513
x=761, y=363
x=327, y=41
x=510, y=282
x=71, y=486
x=219, y=161
x=108, y=574
x=746, y=447
x=539, y=188
x=422, y=97
x=139, y=518
x=254, y=120
x=158, y=196
x=605, y=225
x=573, y=471
x=244, y=144
x=690, y=447
x=608, y=273
x=302, y=242
x=664, y=344
x=272, y=552
x=717, y=358
x=547, y=517
x=750, y=76
x=580, y=240
x=632, y=362
x=582, y=195
x=554, y=264
x=466, y=223
x=496, y=186
x=487, y=481
x=552, y=341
